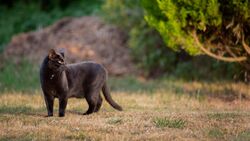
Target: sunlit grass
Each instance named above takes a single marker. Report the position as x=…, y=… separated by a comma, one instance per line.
x=157, y=116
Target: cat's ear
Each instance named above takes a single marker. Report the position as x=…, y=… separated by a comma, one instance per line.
x=62, y=52
x=52, y=53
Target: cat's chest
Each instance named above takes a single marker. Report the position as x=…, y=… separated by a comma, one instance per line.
x=53, y=92
x=54, y=87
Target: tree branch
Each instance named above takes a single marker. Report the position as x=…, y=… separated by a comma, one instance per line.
x=246, y=47
x=209, y=53
x=229, y=51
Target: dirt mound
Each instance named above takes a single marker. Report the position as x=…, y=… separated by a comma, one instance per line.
x=85, y=38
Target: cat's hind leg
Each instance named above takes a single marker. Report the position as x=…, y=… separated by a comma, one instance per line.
x=92, y=100
x=99, y=104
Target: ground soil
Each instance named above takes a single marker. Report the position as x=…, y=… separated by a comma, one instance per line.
x=84, y=38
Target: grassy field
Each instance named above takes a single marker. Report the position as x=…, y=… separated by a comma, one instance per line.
x=153, y=110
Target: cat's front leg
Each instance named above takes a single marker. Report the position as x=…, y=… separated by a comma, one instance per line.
x=49, y=101
x=62, y=106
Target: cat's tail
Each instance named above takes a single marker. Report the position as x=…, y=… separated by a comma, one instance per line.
x=108, y=97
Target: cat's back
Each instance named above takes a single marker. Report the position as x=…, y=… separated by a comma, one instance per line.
x=86, y=73
x=87, y=67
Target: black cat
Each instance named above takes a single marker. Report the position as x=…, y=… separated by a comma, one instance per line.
x=80, y=80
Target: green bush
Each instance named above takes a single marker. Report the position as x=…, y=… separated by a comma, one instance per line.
x=211, y=19
x=204, y=68
x=219, y=24
x=145, y=43
x=148, y=48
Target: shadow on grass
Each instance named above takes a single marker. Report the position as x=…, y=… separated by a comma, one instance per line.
x=75, y=112
x=25, y=110
x=27, y=137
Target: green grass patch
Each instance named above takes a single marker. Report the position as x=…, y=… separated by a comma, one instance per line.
x=132, y=84
x=170, y=123
x=221, y=116
x=79, y=136
x=15, y=109
x=215, y=133
x=19, y=77
x=243, y=136
x=26, y=137
x=115, y=120
x=135, y=84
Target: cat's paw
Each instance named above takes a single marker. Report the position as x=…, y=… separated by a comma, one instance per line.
x=50, y=115
x=61, y=114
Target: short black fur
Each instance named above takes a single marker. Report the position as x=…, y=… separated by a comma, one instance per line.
x=80, y=80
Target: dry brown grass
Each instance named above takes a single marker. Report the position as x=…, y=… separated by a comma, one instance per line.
x=145, y=117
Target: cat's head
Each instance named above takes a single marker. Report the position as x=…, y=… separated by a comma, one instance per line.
x=56, y=60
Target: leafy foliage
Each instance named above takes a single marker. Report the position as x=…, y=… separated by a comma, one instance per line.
x=146, y=44
x=176, y=19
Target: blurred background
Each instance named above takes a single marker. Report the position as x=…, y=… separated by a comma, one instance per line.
x=114, y=33
x=163, y=59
